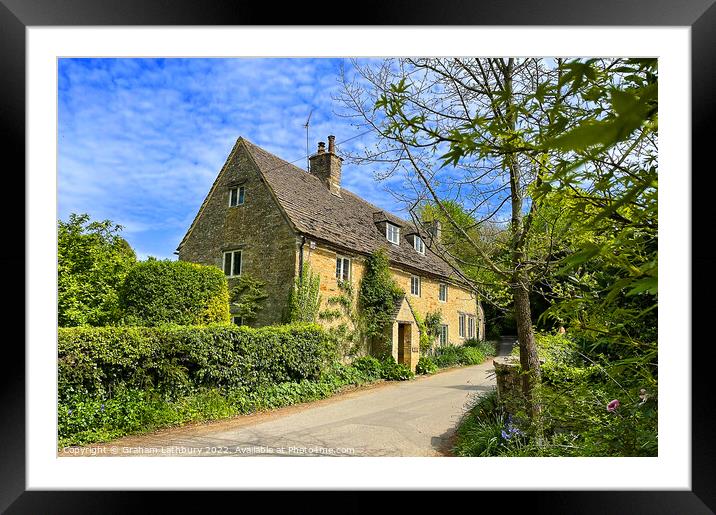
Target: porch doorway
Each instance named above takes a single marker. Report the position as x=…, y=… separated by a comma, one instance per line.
x=404, y=342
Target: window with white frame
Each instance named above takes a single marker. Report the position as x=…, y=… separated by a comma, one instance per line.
x=236, y=196
x=236, y=319
x=442, y=295
x=418, y=244
x=392, y=232
x=232, y=263
x=415, y=285
x=471, y=327
x=343, y=268
x=461, y=325
x=443, y=334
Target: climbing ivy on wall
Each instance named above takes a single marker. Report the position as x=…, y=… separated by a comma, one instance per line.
x=378, y=296
x=429, y=327
x=348, y=332
x=305, y=298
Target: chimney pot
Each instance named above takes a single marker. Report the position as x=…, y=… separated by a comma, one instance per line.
x=332, y=144
x=321, y=147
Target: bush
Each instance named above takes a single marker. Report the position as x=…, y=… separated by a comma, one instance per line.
x=391, y=370
x=369, y=366
x=92, y=262
x=174, y=360
x=175, y=292
x=426, y=366
x=452, y=355
x=488, y=348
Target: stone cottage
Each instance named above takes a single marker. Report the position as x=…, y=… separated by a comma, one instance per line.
x=266, y=217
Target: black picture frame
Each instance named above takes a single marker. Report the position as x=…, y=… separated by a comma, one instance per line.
x=699, y=15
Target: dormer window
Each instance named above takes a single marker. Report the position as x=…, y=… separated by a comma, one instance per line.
x=236, y=196
x=392, y=232
x=418, y=244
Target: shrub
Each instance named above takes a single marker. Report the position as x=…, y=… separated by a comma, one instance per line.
x=92, y=262
x=488, y=348
x=472, y=356
x=369, y=366
x=426, y=366
x=391, y=370
x=176, y=292
x=174, y=360
x=452, y=355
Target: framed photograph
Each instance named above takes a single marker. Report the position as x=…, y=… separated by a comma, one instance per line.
x=172, y=120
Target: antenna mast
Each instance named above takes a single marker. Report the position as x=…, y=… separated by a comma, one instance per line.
x=308, y=161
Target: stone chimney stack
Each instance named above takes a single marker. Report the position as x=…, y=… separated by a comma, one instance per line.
x=327, y=165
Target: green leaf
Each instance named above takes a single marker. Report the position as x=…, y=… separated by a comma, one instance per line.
x=645, y=284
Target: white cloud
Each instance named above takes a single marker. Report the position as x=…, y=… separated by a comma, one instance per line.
x=141, y=140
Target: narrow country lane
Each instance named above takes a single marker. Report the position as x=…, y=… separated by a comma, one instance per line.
x=414, y=418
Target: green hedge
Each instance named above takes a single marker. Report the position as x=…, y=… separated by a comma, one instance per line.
x=175, y=292
x=175, y=360
x=85, y=419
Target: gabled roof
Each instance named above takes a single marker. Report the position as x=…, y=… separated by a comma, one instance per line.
x=347, y=221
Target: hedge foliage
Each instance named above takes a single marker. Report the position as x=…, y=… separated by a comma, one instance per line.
x=174, y=360
x=95, y=414
x=453, y=355
x=158, y=292
x=94, y=419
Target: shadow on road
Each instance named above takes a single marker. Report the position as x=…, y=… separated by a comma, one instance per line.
x=470, y=387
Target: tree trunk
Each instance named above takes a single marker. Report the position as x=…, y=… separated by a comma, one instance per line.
x=529, y=361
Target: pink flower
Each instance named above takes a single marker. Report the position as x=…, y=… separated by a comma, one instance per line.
x=612, y=406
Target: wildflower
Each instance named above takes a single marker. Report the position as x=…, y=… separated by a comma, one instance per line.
x=510, y=430
x=102, y=407
x=612, y=406
x=70, y=411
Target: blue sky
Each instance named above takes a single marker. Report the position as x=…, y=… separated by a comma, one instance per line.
x=141, y=140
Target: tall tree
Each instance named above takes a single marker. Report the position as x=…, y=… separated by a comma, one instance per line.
x=510, y=142
x=465, y=130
